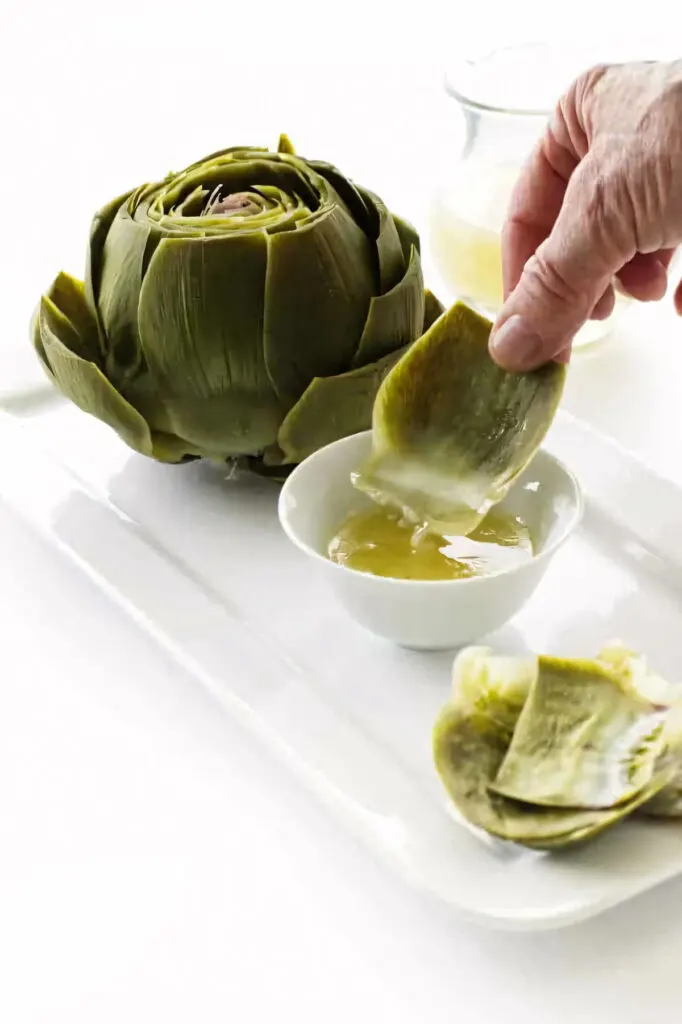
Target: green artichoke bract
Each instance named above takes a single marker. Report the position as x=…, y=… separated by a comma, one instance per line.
x=451, y=430
x=585, y=738
x=476, y=731
x=668, y=802
x=248, y=306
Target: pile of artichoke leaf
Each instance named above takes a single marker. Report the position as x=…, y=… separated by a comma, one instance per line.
x=548, y=752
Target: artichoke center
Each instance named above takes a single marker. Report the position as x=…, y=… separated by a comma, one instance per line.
x=238, y=203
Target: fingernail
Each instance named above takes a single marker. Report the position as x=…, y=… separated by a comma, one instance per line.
x=515, y=345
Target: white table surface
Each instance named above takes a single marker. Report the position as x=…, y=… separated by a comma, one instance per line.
x=154, y=864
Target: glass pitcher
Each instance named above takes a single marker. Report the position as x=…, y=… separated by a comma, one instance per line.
x=503, y=101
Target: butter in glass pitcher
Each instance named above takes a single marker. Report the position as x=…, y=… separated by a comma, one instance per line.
x=500, y=103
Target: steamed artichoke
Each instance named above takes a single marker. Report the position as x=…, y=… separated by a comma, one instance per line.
x=247, y=306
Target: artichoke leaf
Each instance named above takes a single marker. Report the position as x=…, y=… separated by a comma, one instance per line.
x=212, y=425
x=583, y=739
x=285, y=145
x=633, y=671
x=349, y=194
x=407, y=234
x=317, y=292
x=332, y=408
x=451, y=430
x=470, y=741
x=84, y=383
x=667, y=802
x=395, y=319
x=603, y=820
x=68, y=295
x=392, y=260
x=127, y=251
x=497, y=685
x=201, y=314
x=37, y=341
x=169, y=448
x=99, y=229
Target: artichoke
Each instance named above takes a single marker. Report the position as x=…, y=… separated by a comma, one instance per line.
x=249, y=306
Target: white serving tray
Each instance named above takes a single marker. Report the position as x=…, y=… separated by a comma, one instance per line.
x=199, y=561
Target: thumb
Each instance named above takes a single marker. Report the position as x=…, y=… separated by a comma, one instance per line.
x=561, y=284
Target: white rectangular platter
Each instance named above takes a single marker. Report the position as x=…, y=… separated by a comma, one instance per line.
x=197, y=558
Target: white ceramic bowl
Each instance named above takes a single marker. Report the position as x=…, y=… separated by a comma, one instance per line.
x=427, y=615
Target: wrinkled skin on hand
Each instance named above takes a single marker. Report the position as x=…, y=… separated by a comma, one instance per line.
x=598, y=205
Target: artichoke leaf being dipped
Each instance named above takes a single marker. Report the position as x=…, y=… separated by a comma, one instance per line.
x=451, y=430
x=476, y=730
x=247, y=307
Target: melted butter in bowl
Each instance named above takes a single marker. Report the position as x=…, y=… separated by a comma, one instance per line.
x=381, y=542
x=453, y=591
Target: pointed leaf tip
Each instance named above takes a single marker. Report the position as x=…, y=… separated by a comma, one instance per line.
x=285, y=146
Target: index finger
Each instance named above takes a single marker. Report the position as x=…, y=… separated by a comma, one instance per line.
x=535, y=204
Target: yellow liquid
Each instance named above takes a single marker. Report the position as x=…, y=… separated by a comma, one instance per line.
x=379, y=541
x=470, y=259
x=466, y=225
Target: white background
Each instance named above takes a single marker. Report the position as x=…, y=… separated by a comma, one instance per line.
x=154, y=865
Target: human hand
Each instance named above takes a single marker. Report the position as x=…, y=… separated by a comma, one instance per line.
x=598, y=203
